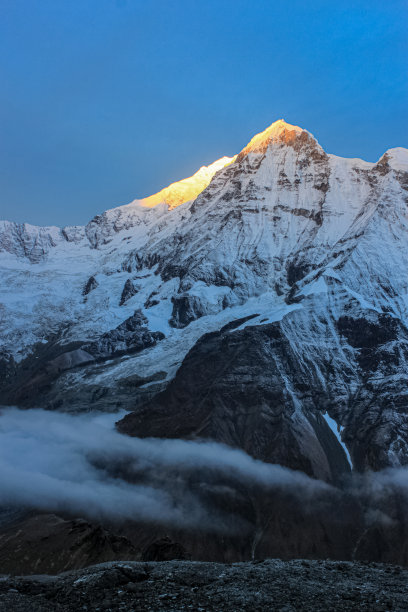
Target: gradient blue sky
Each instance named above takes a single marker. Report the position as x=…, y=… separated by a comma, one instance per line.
x=103, y=101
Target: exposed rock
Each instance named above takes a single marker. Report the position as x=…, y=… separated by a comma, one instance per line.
x=73, y=233
x=232, y=388
x=129, y=290
x=164, y=550
x=259, y=389
x=151, y=301
x=186, y=308
x=287, y=586
x=47, y=543
x=32, y=381
x=28, y=241
x=91, y=284
x=35, y=375
x=129, y=337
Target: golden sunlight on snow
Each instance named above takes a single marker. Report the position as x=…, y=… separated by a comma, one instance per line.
x=279, y=131
x=187, y=189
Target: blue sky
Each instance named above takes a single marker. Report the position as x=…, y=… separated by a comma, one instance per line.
x=103, y=101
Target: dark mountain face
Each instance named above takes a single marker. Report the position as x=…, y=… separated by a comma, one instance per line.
x=232, y=388
x=258, y=389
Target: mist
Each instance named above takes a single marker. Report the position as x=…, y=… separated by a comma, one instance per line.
x=80, y=464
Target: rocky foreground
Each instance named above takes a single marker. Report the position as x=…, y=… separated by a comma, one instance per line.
x=184, y=585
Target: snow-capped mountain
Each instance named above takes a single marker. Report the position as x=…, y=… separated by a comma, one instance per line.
x=262, y=302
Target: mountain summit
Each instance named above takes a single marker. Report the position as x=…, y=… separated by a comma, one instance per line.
x=278, y=132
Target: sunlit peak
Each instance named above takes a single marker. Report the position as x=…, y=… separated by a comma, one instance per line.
x=187, y=189
x=279, y=131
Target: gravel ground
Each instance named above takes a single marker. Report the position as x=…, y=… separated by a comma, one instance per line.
x=272, y=584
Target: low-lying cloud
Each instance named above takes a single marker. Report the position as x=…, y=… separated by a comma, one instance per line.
x=81, y=464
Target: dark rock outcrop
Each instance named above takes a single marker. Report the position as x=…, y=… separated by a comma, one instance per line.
x=164, y=549
x=33, y=380
x=129, y=290
x=186, y=308
x=129, y=337
x=47, y=543
x=91, y=284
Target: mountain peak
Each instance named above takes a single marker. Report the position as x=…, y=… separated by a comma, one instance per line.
x=397, y=158
x=280, y=132
x=187, y=189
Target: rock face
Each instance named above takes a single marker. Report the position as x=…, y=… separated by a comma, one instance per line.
x=90, y=285
x=28, y=241
x=283, y=233
x=233, y=388
x=50, y=544
x=40, y=371
x=259, y=388
x=164, y=549
x=129, y=290
x=130, y=336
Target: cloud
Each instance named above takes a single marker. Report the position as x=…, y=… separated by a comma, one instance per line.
x=81, y=464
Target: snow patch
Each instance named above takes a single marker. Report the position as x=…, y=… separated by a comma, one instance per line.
x=337, y=430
